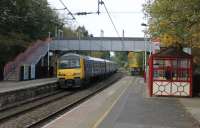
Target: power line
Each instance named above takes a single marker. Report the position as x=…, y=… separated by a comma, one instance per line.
x=124, y=12
x=86, y=13
x=83, y=13
x=59, y=8
x=111, y=19
x=65, y=7
x=100, y=2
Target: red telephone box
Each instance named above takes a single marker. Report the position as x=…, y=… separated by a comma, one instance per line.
x=170, y=73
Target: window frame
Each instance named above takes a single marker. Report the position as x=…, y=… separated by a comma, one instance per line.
x=176, y=71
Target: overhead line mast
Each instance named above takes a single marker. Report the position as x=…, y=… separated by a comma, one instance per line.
x=100, y=2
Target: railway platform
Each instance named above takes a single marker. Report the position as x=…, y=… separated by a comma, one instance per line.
x=7, y=86
x=125, y=104
x=14, y=93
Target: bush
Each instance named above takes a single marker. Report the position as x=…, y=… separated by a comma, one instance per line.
x=11, y=45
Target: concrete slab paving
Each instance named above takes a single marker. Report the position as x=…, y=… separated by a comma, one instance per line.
x=90, y=113
x=127, y=105
x=135, y=110
x=192, y=105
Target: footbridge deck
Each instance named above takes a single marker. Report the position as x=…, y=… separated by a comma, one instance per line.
x=104, y=44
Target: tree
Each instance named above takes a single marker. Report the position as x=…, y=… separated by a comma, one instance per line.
x=33, y=18
x=121, y=58
x=68, y=32
x=82, y=32
x=23, y=21
x=175, y=22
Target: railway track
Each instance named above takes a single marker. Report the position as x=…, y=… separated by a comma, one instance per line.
x=54, y=106
x=32, y=104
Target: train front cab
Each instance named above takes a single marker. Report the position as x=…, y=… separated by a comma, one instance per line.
x=70, y=71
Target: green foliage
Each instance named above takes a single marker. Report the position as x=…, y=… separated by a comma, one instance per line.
x=121, y=58
x=97, y=54
x=24, y=21
x=68, y=32
x=82, y=32
x=31, y=17
x=10, y=46
x=175, y=22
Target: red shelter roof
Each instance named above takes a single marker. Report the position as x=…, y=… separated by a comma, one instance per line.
x=172, y=53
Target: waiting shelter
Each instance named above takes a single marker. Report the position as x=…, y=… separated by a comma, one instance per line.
x=170, y=73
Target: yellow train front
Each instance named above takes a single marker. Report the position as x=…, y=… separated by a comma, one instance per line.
x=135, y=62
x=75, y=70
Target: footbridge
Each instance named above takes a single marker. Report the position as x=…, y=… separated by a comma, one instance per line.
x=33, y=62
x=104, y=44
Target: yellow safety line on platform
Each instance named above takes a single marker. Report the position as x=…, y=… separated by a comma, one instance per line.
x=109, y=109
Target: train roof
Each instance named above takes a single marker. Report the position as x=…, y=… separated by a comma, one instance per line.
x=94, y=58
x=69, y=54
x=110, y=61
x=87, y=57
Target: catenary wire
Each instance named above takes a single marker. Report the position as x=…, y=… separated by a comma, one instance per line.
x=65, y=7
x=111, y=20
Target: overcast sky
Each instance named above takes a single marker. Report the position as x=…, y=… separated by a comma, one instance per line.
x=126, y=14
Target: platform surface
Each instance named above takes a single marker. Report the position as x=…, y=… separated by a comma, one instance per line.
x=126, y=105
x=6, y=86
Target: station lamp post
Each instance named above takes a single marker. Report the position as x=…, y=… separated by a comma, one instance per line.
x=145, y=50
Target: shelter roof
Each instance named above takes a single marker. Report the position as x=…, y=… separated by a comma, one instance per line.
x=172, y=52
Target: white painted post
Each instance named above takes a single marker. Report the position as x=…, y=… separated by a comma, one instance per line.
x=48, y=54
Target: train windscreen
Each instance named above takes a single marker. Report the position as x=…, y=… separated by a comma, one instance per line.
x=69, y=63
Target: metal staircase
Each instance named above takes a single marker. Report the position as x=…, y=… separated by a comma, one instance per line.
x=30, y=57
